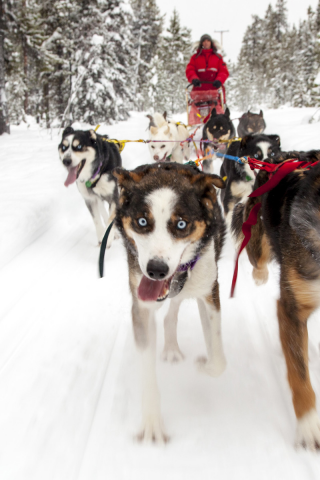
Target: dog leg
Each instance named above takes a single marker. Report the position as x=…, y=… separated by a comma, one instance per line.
x=145, y=337
x=207, y=166
x=258, y=248
x=171, y=352
x=108, y=219
x=260, y=273
x=93, y=208
x=294, y=307
x=209, y=308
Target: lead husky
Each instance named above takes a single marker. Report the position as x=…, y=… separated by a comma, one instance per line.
x=166, y=151
x=89, y=161
x=173, y=231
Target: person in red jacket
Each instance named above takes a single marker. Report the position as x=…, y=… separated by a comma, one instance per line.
x=206, y=65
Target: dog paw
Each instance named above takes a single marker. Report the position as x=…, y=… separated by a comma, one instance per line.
x=260, y=276
x=213, y=368
x=308, y=431
x=152, y=430
x=172, y=355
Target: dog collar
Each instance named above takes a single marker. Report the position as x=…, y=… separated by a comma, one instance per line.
x=96, y=173
x=189, y=265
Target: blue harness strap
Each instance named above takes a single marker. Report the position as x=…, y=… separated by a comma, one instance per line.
x=230, y=157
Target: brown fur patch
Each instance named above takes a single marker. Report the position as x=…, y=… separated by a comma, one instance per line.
x=75, y=142
x=65, y=143
x=126, y=221
x=214, y=298
x=198, y=231
x=260, y=272
x=306, y=294
x=294, y=339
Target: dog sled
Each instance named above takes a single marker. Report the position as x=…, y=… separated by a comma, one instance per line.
x=200, y=103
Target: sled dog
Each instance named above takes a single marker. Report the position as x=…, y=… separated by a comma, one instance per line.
x=89, y=161
x=218, y=127
x=173, y=231
x=165, y=151
x=288, y=229
x=251, y=123
x=240, y=178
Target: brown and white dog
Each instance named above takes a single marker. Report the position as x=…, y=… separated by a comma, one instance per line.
x=166, y=137
x=173, y=231
x=288, y=229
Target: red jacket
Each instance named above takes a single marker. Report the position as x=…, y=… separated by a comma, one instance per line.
x=206, y=65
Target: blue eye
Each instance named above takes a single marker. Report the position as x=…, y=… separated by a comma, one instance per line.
x=256, y=155
x=63, y=148
x=79, y=147
x=272, y=154
x=181, y=224
x=142, y=222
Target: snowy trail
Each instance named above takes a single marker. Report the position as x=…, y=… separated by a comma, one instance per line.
x=69, y=383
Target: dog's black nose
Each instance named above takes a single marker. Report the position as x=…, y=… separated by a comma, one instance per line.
x=157, y=270
x=66, y=162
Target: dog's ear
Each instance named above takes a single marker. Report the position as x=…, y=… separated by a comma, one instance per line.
x=165, y=115
x=93, y=135
x=126, y=178
x=151, y=121
x=153, y=130
x=213, y=113
x=227, y=113
x=208, y=179
x=276, y=139
x=261, y=114
x=244, y=141
x=167, y=130
x=67, y=131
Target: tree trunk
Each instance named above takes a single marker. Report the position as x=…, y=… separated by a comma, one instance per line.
x=4, y=117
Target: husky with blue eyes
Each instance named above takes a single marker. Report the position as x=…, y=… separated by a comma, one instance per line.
x=166, y=138
x=173, y=231
x=89, y=160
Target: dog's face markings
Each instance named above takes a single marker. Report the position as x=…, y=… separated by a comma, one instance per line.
x=161, y=229
x=77, y=152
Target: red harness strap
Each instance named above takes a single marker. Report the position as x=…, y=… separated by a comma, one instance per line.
x=246, y=230
x=279, y=172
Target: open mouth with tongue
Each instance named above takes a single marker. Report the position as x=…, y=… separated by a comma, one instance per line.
x=219, y=147
x=164, y=158
x=73, y=173
x=154, y=290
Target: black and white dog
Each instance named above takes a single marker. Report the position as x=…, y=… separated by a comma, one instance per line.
x=89, y=160
x=240, y=178
x=173, y=231
x=219, y=127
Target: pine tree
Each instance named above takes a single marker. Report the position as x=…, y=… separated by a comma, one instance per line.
x=170, y=69
x=147, y=29
x=4, y=117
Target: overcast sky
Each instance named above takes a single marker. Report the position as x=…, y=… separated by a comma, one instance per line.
x=234, y=15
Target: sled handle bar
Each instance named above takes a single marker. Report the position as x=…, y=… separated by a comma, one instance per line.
x=191, y=84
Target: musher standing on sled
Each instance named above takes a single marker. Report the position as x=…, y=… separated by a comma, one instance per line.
x=207, y=65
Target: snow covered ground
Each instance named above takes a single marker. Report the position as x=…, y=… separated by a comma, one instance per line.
x=69, y=390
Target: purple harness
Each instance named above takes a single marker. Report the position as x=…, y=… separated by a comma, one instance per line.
x=96, y=173
x=189, y=265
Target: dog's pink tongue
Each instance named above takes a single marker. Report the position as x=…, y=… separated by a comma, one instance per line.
x=149, y=290
x=72, y=176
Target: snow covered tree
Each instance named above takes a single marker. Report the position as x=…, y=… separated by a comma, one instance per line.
x=173, y=56
x=147, y=29
x=4, y=118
